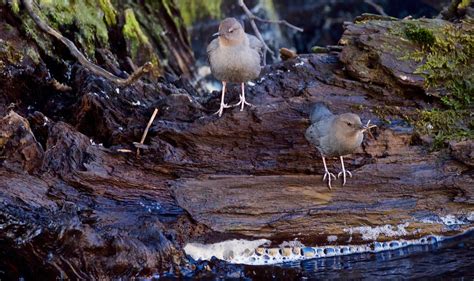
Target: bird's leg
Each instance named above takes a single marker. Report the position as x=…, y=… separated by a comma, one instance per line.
x=327, y=173
x=344, y=172
x=242, y=101
x=223, y=104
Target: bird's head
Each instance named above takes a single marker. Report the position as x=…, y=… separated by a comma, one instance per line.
x=350, y=124
x=230, y=32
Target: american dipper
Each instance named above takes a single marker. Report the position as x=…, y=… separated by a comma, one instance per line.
x=234, y=57
x=335, y=136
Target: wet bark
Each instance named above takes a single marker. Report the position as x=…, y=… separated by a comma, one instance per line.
x=74, y=204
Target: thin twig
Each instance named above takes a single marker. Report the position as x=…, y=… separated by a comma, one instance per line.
x=257, y=32
x=146, y=129
x=279, y=22
x=377, y=7
x=253, y=18
x=80, y=57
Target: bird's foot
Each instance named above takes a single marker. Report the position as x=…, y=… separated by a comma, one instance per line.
x=221, y=109
x=242, y=103
x=329, y=175
x=343, y=174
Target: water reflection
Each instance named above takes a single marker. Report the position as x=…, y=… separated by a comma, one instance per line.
x=451, y=258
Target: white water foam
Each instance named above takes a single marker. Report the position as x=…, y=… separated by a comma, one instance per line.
x=249, y=252
x=253, y=253
x=226, y=250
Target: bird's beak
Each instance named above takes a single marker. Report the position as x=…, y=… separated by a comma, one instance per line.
x=367, y=126
x=216, y=34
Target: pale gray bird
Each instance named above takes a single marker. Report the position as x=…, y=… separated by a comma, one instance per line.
x=335, y=136
x=234, y=56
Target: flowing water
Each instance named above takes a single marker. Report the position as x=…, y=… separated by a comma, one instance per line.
x=448, y=259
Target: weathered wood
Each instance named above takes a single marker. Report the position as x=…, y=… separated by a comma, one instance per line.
x=71, y=205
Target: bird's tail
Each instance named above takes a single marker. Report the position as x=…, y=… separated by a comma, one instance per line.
x=319, y=111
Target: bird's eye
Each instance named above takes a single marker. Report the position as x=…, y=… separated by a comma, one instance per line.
x=231, y=30
x=349, y=124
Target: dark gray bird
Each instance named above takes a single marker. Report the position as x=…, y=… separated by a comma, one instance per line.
x=335, y=136
x=234, y=57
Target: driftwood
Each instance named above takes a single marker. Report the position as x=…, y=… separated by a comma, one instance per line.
x=72, y=206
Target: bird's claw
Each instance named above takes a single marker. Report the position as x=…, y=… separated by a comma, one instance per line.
x=340, y=174
x=343, y=173
x=221, y=109
x=328, y=175
x=243, y=103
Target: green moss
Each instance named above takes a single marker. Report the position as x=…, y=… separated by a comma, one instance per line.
x=84, y=15
x=15, y=52
x=445, y=125
x=193, y=10
x=14, y=6
x=420, y=35
x=448, y=65
x=319, y=49
x=464, y=4
x=133, y=33
x=109, y=12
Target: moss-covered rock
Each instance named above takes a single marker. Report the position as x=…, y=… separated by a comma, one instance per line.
x=85, y=16
x=412, y=57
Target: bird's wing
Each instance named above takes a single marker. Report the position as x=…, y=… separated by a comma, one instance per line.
x=319, y=130
x=255, y=44
x=211, y=48
x=319, y=112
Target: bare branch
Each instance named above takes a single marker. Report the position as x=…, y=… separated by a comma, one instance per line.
x=279, y=22
x=80, y=57
x=257, y=32
x=253, y=18
x=146, y=131
x=377, y=7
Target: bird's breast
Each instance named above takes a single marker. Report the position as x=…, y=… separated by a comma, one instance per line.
x=235, y=64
